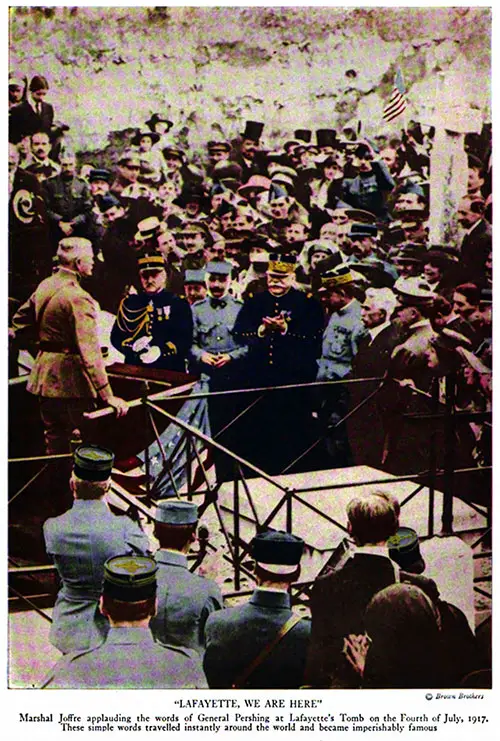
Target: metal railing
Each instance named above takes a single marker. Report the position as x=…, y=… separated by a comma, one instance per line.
x=237, y=547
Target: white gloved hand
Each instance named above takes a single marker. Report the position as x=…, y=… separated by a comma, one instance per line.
x=151, y=355
x=141, y=344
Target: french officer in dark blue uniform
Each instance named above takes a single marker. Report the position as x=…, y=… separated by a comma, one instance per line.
x=154, y=328
x=283, y=328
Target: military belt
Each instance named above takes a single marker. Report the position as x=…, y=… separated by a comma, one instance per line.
x=58, y=347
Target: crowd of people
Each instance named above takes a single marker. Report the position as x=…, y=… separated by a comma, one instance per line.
x=131, y=614
x=258, y=267
x=305, y=269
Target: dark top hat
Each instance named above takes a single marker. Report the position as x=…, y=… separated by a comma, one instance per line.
x=303, y=135
x=326, y=137
x=140, y=134
x=277, y=551
x=253, y=130
x=157, y=118
x=93, y=463
x=130, y=578
x=404, y=549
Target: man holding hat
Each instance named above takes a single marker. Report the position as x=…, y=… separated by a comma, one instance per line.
x=261, y=644
x=79, y=542
x=218, y=151
x=69, y=372
x=153, y=328
x=126, y=183
x=185, y=599
x=129, y=658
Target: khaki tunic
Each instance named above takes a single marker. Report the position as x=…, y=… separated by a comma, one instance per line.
x=65, y=314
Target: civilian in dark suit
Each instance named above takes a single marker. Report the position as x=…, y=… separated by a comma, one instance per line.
x=31, y=116
x=477, y=242
x=339, y=599
x=248, y=156
x=29, y=248
x=235, y=637
x=365, y=428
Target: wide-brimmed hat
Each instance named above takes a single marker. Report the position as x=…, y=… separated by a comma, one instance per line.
x=158, y=118
x=136, y=140
x=256, y=184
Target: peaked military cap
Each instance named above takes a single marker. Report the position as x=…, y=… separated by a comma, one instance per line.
x=130, y=578
x=277, y=551
x=337, y=276
x=108, y=201
x=93, y=463
x=100, y=175
x=219, y=267
x=149, y=262
x=279, y=263
x=222, y=146
x=130, y=157
x=404, y=549
x=194, y=276
x=413, y=291
x=176, y=512
x=359, y=231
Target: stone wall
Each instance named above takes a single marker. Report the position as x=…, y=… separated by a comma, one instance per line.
x=212, y=68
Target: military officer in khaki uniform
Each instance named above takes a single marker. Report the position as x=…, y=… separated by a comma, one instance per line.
x=69, y=373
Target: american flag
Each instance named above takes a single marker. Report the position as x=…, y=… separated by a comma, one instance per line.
x=397, y=103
